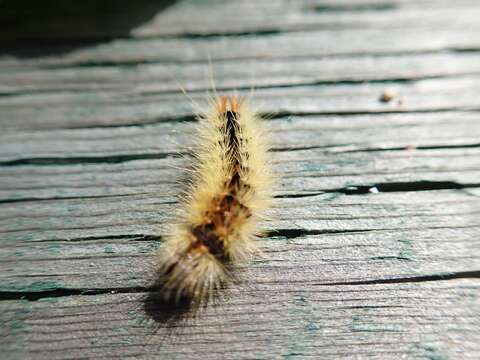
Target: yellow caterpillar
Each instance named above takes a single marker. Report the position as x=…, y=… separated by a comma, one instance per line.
x=229, y=191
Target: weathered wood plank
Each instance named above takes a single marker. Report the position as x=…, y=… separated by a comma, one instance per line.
x=400, y=320
x=319, y=174
x=287, y=45
x=403, y=234
x=86, y=110
x=332, y=134
x=159, y=77
x=285, y=16
x=190, y=19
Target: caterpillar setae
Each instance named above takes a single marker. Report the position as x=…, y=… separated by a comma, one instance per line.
x=218, y=218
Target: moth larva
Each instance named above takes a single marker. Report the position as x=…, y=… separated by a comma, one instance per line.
x=220, y=211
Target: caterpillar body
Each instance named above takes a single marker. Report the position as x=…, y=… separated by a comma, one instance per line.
x=220, y=211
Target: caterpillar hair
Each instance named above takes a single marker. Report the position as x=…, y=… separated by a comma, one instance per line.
x=218, y=219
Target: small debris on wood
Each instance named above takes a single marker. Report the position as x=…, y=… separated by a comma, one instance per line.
x=387, y=96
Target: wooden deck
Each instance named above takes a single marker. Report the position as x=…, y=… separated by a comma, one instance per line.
x=373, y=250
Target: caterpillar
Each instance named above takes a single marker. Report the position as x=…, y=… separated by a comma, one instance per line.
x=228, y=194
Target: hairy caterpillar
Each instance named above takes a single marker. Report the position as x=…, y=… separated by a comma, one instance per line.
x=220, y=211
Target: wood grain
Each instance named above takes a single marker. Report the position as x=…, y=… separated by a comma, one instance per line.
x=370, y=321
x=372, y=245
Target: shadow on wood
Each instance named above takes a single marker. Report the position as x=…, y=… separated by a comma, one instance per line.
x=172, y=313
x=32, y=28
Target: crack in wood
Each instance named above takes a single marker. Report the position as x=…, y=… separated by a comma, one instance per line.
x=414, y=279
x=202, y=61
x=376, y=149
x=110, y=159
x=336, y=8
x=336, y=82
x=63, y=292
x=388, y=187
x=351, y=190
x=129, y=237
x=33, y=199
x=269, y=116
x=420, y=147
x=295, y=233
x=121, y=158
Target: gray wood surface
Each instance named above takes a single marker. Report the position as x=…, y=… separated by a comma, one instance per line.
x=372, y=245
